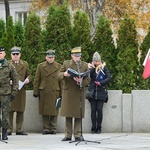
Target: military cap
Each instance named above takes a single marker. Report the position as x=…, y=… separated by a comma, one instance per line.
x=50, y=53
x=15, y=49
x=2, y=49
x=76, y=51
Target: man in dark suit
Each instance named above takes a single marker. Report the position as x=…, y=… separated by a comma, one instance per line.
x=70, y=107
x=18, y=105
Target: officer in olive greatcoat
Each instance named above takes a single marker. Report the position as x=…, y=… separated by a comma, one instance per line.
x=8, y=90
x=19, y=103
x=71, y=94
x=47, y=88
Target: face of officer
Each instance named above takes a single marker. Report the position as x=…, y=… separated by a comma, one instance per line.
x=15, y=56
x=50, y=59
x=76, y=57
x=2, y=55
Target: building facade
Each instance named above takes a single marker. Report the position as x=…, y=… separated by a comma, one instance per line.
x=18, y=9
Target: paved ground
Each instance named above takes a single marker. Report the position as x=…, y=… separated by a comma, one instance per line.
x=108, y=141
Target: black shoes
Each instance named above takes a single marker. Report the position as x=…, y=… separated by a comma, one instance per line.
x=79, y=139
x=96, y=130
x=48, y=132
x=21, y=133
x=4, y=134
x=52, y=132
x=9, y=133
x=66, y=139
x=93, y=130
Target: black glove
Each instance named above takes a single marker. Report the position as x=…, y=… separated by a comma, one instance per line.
x=35, y=95
x=12, y=97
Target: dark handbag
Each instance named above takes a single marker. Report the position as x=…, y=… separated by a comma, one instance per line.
x=103, y=95
x=89, y=93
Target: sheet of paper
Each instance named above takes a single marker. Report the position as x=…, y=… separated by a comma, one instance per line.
x=21, y=84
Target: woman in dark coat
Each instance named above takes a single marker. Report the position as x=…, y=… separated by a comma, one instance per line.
x=100, y=76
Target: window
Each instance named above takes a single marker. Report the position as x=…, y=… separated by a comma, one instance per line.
x=21, y=16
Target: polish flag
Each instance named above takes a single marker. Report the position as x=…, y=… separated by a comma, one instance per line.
x=146, y=64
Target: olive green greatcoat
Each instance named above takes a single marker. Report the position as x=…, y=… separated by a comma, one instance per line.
x=22, y=68
x=71, y=92
x=47, y=87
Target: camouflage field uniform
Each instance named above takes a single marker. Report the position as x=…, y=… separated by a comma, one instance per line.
x=7, y=73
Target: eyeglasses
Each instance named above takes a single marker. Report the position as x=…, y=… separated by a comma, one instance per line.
x=15, y=53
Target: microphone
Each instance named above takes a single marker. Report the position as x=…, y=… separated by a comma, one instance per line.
x=76, y=61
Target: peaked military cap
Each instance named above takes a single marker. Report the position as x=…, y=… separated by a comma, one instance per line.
x=50, y=53
x=15, y=49
x=2, y=49
x=76, y=51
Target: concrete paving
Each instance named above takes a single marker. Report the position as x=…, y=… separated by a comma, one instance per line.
x=108, y=141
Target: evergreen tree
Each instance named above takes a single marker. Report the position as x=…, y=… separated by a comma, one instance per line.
x=81, y=34
x=145, y=46
x=32, y=52
x=2, y=27
x=127, y=58
x=8, y=36
x=104, y=44
x=58, y=31
x=19, y=34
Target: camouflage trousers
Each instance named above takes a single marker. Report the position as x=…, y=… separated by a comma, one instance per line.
x=4, y=111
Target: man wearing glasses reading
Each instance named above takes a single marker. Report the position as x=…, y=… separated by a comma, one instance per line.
x=18, y=105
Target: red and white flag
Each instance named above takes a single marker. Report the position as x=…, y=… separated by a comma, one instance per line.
x=146, y=64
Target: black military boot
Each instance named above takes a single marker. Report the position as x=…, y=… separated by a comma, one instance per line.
x=93, y=130
x=98, y=130
x=4, y=134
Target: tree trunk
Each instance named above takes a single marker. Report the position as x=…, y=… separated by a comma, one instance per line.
x=7, y=10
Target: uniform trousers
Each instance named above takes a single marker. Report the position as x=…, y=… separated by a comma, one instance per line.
x=4, y=111
x=19, y=120
x=69, y=127
x=49, y=123
x=96, y=113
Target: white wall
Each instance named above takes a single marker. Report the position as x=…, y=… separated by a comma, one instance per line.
x=22, y=5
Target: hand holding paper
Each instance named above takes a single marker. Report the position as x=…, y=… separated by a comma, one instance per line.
x=21, y=84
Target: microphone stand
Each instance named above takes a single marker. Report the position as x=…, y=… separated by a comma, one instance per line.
x=1, y=116
x=81, y=137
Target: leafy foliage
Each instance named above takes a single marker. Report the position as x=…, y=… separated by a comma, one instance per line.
x=8, y=35
x=58, y=31
x=81, y=34
x=32, y=51
x=19, y=34
x=127, y=60
x=2, y=27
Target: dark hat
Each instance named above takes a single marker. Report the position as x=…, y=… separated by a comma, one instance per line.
x=50, y=53
x=15, y=49
x=76, y=51
x=2, y=49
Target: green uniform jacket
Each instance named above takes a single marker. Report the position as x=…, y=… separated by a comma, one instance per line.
x=71, y=92
x=7, y=73
x=47, y=87
x=22, y=68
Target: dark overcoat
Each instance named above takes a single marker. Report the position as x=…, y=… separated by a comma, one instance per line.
x=47, y=87
x=22, y=68
x=72, y=94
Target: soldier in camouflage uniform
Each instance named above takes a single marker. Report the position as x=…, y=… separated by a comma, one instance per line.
x=7, y=91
